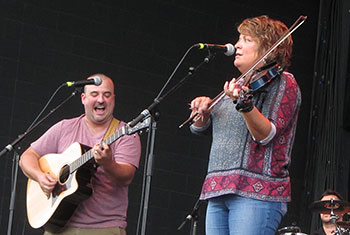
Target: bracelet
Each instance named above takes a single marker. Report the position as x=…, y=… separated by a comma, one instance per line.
x=245, y=105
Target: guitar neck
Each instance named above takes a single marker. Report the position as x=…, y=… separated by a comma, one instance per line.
x=88, y=155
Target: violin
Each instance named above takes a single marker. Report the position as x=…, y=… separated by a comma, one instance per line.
x=258, y=79
x=264, y=76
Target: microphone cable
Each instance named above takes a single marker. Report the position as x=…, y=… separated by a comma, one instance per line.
x=47, y=104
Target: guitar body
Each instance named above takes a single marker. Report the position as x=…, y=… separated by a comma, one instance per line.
x=54, y=211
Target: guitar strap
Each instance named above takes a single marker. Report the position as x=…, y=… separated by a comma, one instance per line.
x=112, y=128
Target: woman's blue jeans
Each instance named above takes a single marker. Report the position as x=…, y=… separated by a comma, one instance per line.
x=236, y=215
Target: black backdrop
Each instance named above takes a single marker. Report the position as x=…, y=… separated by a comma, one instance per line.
x=138, y=44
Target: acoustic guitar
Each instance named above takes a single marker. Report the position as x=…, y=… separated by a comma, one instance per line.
x=73, y=170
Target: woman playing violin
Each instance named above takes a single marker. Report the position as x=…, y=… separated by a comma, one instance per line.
x=247, y=185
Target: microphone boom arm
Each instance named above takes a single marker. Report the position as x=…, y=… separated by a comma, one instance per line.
x=11, y=146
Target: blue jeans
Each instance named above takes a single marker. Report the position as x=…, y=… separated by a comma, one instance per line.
x=235, y=215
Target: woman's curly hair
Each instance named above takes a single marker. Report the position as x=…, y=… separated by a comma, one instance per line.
x=267, y=31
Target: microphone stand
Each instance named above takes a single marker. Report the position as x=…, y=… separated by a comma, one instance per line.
x=15, y=161
x=150, y=141
x=14, y=177
x=149, y=172
x=193, y=217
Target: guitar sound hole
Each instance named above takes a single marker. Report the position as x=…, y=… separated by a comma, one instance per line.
x=64, y=174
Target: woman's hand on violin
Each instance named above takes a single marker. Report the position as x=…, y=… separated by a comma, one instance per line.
x=233, y=89
x=200, y=105
x=258, y=125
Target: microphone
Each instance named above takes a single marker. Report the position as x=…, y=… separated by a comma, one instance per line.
x=228, y=48
x=96, y=80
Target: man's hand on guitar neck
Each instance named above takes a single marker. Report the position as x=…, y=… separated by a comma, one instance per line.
x=102, y=154
x=121, y=172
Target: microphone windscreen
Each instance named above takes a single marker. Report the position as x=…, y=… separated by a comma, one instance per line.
x=97, y=80
x=230, y=49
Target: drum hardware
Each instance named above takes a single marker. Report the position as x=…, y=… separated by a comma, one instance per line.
x=336, y=207
x=344, y=224
x=293, y=234
x=290, y=230
x=343, y=228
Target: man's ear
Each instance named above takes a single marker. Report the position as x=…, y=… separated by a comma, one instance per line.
x=82, y=97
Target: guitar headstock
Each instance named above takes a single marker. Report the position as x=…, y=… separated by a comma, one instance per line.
x=139, y=126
